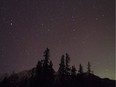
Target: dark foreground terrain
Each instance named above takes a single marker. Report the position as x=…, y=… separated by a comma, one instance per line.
x=80, y=80
x=43, y=75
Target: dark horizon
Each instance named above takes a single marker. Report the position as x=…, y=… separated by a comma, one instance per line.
x=43, y=75
x=56, y=70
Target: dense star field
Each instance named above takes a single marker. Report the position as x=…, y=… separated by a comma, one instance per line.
x=82, y=28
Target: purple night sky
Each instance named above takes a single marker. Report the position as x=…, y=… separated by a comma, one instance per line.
x=85, y=29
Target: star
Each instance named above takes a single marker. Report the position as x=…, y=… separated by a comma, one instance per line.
x=42, y=24
x=74, y=29
x=103, y=15
x=72, y=16
x=48, y=30
x=11, y=23
x=96, y=19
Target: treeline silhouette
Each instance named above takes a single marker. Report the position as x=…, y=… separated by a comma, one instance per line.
x=43, y=75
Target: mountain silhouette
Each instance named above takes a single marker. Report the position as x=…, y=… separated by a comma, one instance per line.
x=22, y=79
x=43, y=75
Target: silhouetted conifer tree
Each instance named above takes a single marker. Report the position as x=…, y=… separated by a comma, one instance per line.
x=80, y=71
x=68, y=70
x=33, y=78
x=44, y=73
x=51, y=68
x=73, y=71
x=67, y=64
x=73, y=77
x=39, y=69
x=38, y=74
x=89, y=68
x=46, y=56
x=62, y=69
x=80, y=76
x=46, y=62
x=47, y=70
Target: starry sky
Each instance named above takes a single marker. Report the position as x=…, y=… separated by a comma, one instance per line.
x=84, y=29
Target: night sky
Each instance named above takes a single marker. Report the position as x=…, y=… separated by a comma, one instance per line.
x=84, y=29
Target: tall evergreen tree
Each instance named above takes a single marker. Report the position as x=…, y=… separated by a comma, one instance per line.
x=67, y=60
x=51, y=67
x=68, y=69
x=47, y=71
x=73, y=71
x=44, y=72
x=73, y=78
x=89, y=68
x=67, y=64
x=62, y=69
x=51, y=72
x=80, y=69
x=39, y=71
x=46, y=56
x=32, y=79
x=46, y=61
